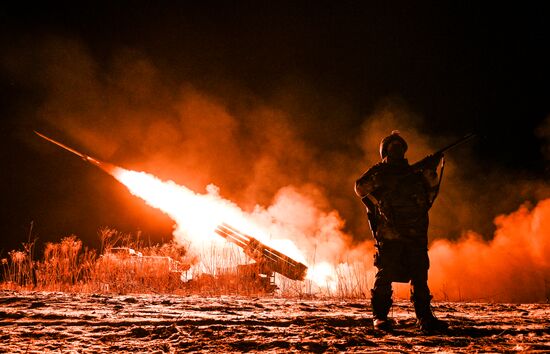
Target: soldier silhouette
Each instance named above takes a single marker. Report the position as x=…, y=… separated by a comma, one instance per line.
x=398, y=197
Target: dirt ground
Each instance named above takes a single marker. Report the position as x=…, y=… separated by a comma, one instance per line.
x=37, y=322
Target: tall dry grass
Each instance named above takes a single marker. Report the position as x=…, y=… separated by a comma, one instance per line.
x=126, y=264
x=68, y=266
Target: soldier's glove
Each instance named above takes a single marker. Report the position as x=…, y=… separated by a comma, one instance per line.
x=432, y=161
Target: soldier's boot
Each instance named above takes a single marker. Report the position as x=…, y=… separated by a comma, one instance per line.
x=427, y=322
x=381, y=303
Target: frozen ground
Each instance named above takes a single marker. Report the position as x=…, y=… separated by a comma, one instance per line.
x=37, y=322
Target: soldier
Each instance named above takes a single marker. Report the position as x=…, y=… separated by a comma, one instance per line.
x=398, y=197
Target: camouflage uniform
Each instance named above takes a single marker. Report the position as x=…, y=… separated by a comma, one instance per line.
x=398, y=199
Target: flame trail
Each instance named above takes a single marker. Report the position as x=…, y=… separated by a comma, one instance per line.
x=197, y=215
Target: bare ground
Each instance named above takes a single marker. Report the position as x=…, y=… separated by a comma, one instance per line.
x=37, y=322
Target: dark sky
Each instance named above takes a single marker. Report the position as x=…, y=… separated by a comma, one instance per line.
x=463, y=66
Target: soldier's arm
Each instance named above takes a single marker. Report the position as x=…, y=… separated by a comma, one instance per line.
x=364, y=188
x=432, y=178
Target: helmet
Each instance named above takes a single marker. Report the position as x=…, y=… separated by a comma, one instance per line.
x=387, y=140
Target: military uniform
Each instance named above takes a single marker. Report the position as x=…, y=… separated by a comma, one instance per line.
x=398, y=198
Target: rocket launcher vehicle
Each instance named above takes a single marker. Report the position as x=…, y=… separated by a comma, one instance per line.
x=263, y=254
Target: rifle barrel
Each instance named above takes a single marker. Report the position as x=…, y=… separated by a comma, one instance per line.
x=458, y=142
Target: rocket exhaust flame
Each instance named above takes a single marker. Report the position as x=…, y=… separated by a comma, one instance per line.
x=200, y=216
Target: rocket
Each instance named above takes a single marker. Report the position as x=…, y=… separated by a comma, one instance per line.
x=105, y=166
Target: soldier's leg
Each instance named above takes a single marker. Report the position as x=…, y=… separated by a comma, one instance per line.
x=381, y=294
x=421, y=297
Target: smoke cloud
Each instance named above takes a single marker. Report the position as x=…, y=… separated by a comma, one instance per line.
x=287, y=159
x=512, y=267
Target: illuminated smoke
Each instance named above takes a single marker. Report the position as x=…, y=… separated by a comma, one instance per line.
x=513, y=267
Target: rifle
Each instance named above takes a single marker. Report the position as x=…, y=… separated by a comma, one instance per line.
x=433, y=159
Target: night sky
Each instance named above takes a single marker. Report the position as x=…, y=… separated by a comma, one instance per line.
x=462, y=66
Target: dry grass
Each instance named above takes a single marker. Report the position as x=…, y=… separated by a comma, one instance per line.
x=127, y=265
x=68, y=266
